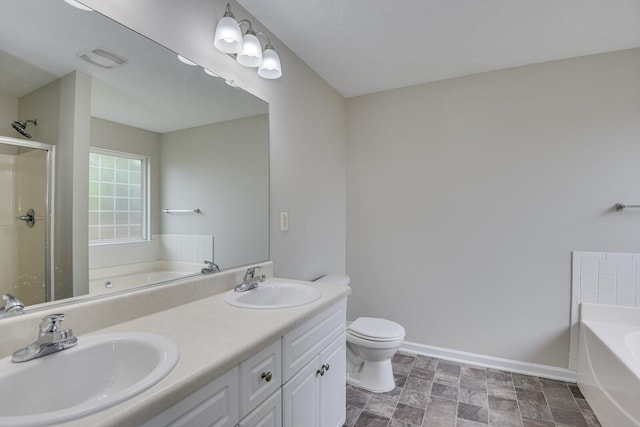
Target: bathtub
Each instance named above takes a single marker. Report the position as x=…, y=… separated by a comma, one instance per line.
x=609, y=363
x=114, y=279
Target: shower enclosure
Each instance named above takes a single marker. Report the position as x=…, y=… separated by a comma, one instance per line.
x=26, y=187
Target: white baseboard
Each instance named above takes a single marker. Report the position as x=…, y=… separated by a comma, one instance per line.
x=517, y=366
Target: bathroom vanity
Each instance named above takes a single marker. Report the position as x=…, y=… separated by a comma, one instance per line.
x=237, y=366
x=297, y=380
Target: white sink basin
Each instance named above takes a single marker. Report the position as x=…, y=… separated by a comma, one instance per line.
x=101, y=371
x=273, y=294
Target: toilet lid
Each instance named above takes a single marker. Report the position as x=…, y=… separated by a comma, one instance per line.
x=374, y=329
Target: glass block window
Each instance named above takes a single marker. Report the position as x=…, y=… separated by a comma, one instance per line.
x=117, y=197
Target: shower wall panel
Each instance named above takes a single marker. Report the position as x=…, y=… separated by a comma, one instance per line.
x=30, y=184
x=8, y=231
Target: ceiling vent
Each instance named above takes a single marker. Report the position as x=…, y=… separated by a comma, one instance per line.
x=102, y=57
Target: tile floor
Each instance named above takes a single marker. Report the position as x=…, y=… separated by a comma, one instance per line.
x=433, y=392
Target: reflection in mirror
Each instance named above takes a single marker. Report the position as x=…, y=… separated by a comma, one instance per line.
x=159, y=167
x=25, y=227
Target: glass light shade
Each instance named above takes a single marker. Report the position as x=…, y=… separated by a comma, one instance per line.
x=228, y=38
x=270, y=68
x=251, y=53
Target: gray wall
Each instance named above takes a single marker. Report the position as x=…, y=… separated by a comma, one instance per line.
x=8, y=113
x=62, y=111
x=467, y=196
x=118, y=137
x=223, y=170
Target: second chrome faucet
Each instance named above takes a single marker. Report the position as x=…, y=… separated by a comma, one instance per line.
x=251, y=280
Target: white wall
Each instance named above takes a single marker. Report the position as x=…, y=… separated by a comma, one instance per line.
x=467, y=196
x=307, y=122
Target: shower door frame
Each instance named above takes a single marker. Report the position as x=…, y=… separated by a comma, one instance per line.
x=48, y=207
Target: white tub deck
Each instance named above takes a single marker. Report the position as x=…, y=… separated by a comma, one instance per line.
x=114, y=279
x=609, y=363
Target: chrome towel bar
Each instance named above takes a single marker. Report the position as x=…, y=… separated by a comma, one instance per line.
x=169, y=211
x=621, y=206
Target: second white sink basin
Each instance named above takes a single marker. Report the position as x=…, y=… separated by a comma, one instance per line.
x=101, y=371
x=272, y=294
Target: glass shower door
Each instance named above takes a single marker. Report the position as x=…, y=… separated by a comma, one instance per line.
x=24, y=228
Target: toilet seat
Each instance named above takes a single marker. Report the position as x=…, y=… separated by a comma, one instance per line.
x=375, y=329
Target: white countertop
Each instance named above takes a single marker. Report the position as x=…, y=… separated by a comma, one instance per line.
x=213, y=337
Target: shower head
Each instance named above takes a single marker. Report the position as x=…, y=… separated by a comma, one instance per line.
x=21, y=126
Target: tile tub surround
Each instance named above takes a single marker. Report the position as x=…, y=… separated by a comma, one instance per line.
x=611, y=278
x=433, y=392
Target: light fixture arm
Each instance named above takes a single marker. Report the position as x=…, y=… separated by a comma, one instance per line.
x=228, y=13
x=261, y=34
x=250, y=29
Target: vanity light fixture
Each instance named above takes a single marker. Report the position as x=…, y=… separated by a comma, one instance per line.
x=210, y=73
x=246, y=49
x=78, y=5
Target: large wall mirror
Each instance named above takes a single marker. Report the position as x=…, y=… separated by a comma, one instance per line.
x=159, y=164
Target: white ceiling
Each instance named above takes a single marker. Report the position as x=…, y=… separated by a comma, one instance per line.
x=366, y=46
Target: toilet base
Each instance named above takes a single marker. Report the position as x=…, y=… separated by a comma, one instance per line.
x=374, y=376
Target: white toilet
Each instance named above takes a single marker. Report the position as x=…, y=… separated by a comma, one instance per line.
x=371, y=343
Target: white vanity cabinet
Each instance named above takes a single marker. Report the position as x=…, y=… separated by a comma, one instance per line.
x=314, y=367
x=216, y=404
x=267, y=414
x=297, y=381
x=260, y=376
x=316, y=396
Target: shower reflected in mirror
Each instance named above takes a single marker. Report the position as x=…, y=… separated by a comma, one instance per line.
x=21, y=126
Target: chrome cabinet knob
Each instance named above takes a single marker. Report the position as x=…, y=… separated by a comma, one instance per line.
x=267, y=376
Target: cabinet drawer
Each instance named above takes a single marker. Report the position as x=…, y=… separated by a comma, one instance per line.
x=303, y=343
x=260, y=376
x=267, y=414
x=215, y=404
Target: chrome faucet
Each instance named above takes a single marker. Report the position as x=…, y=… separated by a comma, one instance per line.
x=210, y=268
x=251, y=280
x=51, y=340
x=12, y=306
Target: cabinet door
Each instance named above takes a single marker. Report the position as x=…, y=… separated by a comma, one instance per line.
x=301, y=397
x=333, y=383
x=268, y=414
